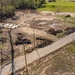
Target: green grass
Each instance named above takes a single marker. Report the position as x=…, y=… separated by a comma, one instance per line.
x=71, y=48
x=3, y=46
x=62, y=6
x=68, y=21
x=59, y=35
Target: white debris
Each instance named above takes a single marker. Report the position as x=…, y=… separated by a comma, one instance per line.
x=53, y=25
x=42, y=23
x=11, y=26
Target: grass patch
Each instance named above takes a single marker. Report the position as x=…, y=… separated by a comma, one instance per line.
x=71, y=48
x=3, y=46
x=67, y=21
x=61, y=6
x=59, y=34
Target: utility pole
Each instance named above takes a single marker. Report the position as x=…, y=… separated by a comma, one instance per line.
x=12, y=52
x=34, y=36
x=34, y=33
x=1, y=63
x=9, y=28
x=25, y=60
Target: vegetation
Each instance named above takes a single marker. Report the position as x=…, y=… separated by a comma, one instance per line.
x=61, y=6
x=7, y=7
x=71, y=48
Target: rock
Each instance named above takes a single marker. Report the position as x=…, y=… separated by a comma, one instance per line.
x=67, y=16
x=15, y=18
x=59, y=31
x=52, y=31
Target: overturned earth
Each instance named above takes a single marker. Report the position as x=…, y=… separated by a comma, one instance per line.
x=60, y=62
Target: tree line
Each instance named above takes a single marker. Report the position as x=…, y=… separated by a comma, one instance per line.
x=8, y=7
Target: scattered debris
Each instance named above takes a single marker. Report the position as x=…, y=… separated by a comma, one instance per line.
x=43, y=42
x=21, y=39
x=3, y=39
x=11, y=26
x=69, y=30
x=59, y=31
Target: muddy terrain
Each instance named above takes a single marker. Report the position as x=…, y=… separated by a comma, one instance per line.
x=37, y=30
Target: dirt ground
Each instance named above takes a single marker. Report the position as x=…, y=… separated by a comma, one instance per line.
x=33, y=24
x=26, y=20
x=61, y=62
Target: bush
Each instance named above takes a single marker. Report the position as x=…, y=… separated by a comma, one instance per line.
x=53, y=6
x=7, y=7
x=7, y=11
x=10, y=10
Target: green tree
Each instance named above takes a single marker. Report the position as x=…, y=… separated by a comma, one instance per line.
x=7, y=7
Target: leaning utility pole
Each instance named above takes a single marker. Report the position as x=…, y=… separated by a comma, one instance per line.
x=12, y=52
x=9, y=28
